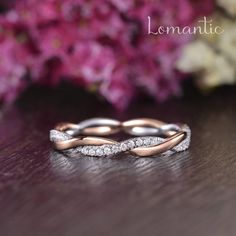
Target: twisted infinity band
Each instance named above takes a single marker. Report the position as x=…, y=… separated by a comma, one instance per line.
x=155, y=137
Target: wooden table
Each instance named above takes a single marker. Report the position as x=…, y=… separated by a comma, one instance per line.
x=191, y=193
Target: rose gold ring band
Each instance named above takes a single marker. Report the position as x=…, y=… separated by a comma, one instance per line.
x=155, y=137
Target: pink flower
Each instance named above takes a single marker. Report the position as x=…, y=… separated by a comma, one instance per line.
x=91, y=61
x=14, y=50
x=118, y=90
x=102, y=44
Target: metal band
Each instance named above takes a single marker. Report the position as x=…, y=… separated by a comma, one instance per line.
x=156, y=137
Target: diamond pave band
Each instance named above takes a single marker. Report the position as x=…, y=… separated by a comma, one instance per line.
x=157, y=137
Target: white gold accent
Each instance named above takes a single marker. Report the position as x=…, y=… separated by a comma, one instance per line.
x=111, y=149
x=56, y=136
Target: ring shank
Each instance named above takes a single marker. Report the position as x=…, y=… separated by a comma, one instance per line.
x=174, y=134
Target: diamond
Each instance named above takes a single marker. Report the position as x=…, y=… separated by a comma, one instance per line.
x=147, y=141
x=99, y=152
x=91, y=152
x=85, y=150
x=139, y=142
x=123, y=147
x=115, y=149
x=154, y=141
x=107, y=150
x=130, y=144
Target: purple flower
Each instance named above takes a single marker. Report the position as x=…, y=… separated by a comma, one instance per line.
x=102, y=44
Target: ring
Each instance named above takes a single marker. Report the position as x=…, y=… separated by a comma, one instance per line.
x=155, y=137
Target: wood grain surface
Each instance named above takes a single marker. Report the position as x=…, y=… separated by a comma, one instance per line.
x=43, y=193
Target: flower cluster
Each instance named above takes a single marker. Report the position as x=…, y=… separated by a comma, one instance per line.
x=101, y=44
x=212, y=57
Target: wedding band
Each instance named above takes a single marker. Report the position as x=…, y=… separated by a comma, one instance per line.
x=155, y=137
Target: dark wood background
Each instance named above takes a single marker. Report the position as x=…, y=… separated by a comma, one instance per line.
x=190, y=193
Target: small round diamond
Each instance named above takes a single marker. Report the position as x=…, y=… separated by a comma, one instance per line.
x=107, y=150
x=130, y=144
x=99, y=152
x=85, y=150
x=123, y=147
x=147, y=141
x=115, y=149
x=154, y=141
x=91, y=152
x=139, y=142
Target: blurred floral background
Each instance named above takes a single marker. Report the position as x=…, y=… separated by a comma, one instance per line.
x=103, y=46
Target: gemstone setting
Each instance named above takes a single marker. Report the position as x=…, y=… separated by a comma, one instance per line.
x=124, y=146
